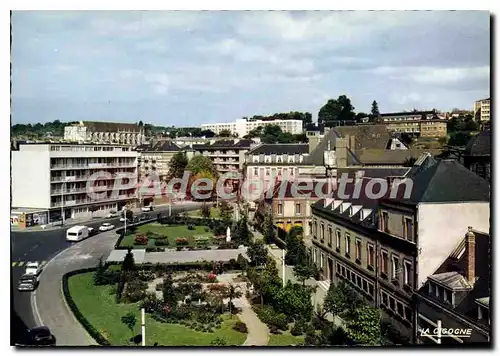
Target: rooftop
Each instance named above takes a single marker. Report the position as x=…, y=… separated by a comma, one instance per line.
x=99, y=126
x=225, y=144
x=408, y=113
x=392, y=157
x=280, y=149
x=160, y=146
x=479, y=145
x=452, y=280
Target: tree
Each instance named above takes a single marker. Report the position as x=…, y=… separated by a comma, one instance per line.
x=460, y=138
x=232, y=292
x=203, y=190
x=99, y=273
x=242, y=233
x=200, y=163
x=93, y=209
x=226, y=211
x=129, y=214
x=375, y=113
x=257, y=253
x=335, y=111
x=225, y=133
x=205, y=211
x=363, y=326
x=296, y=253
x=129, y=320
x=304, y=272
x=271, y=134
x=178, y=165
x=218, y=341
x=170, y=296
x=341, y=299
x=268, y=229
x=294, y=300
x=140, y=124
x=242, y=262
x=208, y=133
x=128, y=263
x=360, y=116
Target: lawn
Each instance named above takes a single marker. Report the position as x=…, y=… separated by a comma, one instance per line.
x=172, y=232
x=214, y=213
x=284, y=339
x=97, y=304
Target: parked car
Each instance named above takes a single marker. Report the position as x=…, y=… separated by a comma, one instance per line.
x=144, y=217
x=33, y=268
x=106, y=227
x=147, y=208
x=27, y=283
x=93, y=231
x=41, y=336
x=129, y=221
x=112, y=214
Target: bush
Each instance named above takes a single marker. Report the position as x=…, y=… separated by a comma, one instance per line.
x=272, y=318
x=241, y=327
x=181, y=242
x=135, y=291
x=296, y=329
x=146, y=276
x=191, y=227
x=161, y=242
x=140, y=239
x=274, y=330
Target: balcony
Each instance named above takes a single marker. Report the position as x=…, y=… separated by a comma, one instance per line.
x=92, y=201
x=68, y=191
x=69, y=166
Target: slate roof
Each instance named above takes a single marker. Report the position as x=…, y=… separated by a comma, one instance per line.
x=281, y=148
x=159, y=146
x=316, y=157
x=391, y=157
x=407, y=113
x=447, y=181
x=374, y=172
x=98, y=126
x=452, y=280
x=425, y=161
x=479, y=145
x=366, y=136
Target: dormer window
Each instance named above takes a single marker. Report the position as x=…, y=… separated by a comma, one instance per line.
x=279, y=159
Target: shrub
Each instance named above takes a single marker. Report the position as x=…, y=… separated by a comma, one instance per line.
x=146, y=276
x=135, y=290
x=181, y=242
x=274, y=330
x=207, y=229
x=218, y=341
x=241, y=327
x=296, y=329
x=140, y=239
x=191, y=227
x=161, y=242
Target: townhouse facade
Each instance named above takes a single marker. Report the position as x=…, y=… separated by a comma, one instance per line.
x=104, y=133
x=155, y=157
x=242, y=127
x=418, y=123
x=387, y=248
x=68, y=174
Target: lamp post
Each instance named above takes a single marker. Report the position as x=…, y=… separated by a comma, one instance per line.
x=143, y=327
x=62, y=201
x=125, y=217
x=283, y=267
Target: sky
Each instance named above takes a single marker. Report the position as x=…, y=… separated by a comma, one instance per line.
x=185, y=68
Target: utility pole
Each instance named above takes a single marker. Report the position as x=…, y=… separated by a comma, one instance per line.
x=62, y=200
x=283, y=257
x=143, y=326
x=125, y=217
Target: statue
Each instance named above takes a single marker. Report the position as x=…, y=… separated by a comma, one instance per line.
x=228, y=235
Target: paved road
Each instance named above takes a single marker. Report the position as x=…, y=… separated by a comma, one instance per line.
x=41, y=246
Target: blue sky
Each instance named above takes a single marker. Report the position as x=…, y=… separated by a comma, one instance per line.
x=188, y=68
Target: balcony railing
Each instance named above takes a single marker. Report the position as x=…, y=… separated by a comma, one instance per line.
x=92, y=201
x=93, y=165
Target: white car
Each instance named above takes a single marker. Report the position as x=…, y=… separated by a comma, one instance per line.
x=33, y=268
x=145, y=209
x=106, y=227
x=112, y=214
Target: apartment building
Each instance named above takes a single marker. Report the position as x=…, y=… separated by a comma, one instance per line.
x=242, y=127
x=457, y=294
x=386, y=248
x=268, y=162
x=104, y=133
x=482, y=110
x=418, y=123
x=66, y=174
x=227, y=155
x=477, y=155
x=155, y=157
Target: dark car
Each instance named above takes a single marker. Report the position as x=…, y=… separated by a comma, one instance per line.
x=27, y=283
x=144, y=217
x=40, y=336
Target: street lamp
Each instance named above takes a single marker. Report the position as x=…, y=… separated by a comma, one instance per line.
x=143, y=327
x=125, y=217
x=62, y=200
x=283, y=267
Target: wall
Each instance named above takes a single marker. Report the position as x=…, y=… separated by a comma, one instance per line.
x=441, y=227
x=30, y=179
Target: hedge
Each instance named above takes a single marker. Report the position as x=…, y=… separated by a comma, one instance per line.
x=101, y=340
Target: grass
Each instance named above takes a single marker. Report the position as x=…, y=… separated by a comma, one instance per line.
x=172, y=232
x=284, y=339
x=97, y=304
x=214, y=213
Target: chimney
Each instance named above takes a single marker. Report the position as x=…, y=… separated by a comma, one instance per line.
x=470, y=249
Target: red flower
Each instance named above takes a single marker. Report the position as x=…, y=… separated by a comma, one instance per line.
x=212, y=276
x=166, y=308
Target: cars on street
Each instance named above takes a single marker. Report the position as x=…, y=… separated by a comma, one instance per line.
x=112, y=214
x=41, y=336
x=147, y=208
x=78, y=233
x=33, y=268
x=106, y=227
x=27, y=283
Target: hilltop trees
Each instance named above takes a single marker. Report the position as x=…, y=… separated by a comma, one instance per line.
x=375, y=113
x=335, y=111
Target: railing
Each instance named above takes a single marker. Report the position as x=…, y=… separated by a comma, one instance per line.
x=92, y=165
x=92, y=201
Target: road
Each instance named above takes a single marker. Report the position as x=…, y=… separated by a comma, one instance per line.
x=41, y=246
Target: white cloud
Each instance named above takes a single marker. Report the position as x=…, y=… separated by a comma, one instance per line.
x=433, y=75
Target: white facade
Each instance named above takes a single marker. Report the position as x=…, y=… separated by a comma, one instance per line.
x=83, y=132
x=242, y=127
x=54, y=176
x=440, y=230
x=484, y=107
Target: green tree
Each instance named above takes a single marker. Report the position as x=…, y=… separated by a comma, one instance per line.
x=242, y=262
x=340, y=299
x=218, y=341
x=178, y=165
x=208, y=133
x=170, y=296
x=242, y=233
x=335, y=111
x=205, y=211
x=296, y=253
x=460, y=138
x=226, y=211
x=200, y=163
x=304, y=272
x=257, y=253
x=294, y=300
x=271, y=134
x=129, y=320
x=128, y=263
x=232, y=292
x=375, y=113
x=268, y=229
x=225, y=133
x=363, y=326
x=99, y=273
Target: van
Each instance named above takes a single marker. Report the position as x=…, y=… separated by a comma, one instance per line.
x=77, y=233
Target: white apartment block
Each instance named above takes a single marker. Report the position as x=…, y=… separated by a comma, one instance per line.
x=57, y=176
x=104, y=132
x=482, y=110
x=243, y=126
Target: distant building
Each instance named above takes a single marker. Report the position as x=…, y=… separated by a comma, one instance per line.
x=104, y=132
x=64, y=175
x=155, y=157
x=242, y=127
x=482, y=111
x=417, y=123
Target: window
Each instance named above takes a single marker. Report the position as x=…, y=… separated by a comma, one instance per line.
x=280, y=209
x=385, y=299
x=268, y=171
x=337, y=232
x=322, y=260
x=297, y=209
x=256, y=171
x=407, y=273
x=431, y=288
x=365, y=285
x=322, y=232
x=315, y=229
x=347, y=245
x=358, y=250
x=392, y=304
x=383, y=262
x=330, y=237
x=395, y=268
x=291, y=171
x=371, y=290
x=371, y=256
x=400, y=309
x=385, y=221
x=448, y=296
x=408, y=229
x=437, y=291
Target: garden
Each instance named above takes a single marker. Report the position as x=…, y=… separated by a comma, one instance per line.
x=183, y=308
